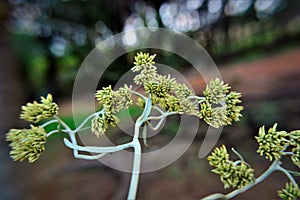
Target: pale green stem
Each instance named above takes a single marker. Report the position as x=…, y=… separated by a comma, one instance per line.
x=138, y=94
x=290, y=177
x=88, y=157
x=135, y=174
x=137, y=150
x=52, y=132
x=158, y=109
x=87, y=119
x=158, y=125
x=288, y=153
x=273, y=167
x=105, y=150
x=144, y=135
x=48, y=123
x=197, y=97
x=67, y=128
x=238, y=154
x=95, y=149
x=161, y=116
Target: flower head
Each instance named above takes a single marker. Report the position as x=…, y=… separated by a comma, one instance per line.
x=290, y=192
x=121, y=99
x=243, y=175
x=294, y=137
x=218, y=156
x=216, y=91
x=100, y=124
x=27, y=143
x=105, y=95
x=215, y=117
x=220, y=107
x=182, y=91
x=144, y=64
x=35, y=112
x=273, y=143
x=233, y=110
x=231, y=174
x=296, y=157
x=142, y=60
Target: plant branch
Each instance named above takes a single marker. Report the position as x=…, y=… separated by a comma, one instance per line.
x=138, y=94
x=48, y=123
x=273, y=167
x=290, y=177
x=52, y=132
x=87, y=119
x=95, y=149
x=161, y=116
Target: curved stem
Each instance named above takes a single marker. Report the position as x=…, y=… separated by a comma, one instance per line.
x=89, y=157
x=87, y=119
x=138, y=94
x=158, y=109
x=61, y=122
x=94, y=149
x=155, y=128
x=290, y=177
x=52, y=132
x=48, y=123
x=238, y=154
x=197, y=98
x=161, y=116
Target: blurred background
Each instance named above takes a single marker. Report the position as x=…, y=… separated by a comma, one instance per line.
x=255, y=44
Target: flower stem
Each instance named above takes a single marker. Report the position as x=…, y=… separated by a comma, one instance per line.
x=137, y=150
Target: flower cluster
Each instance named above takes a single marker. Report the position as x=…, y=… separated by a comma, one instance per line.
x=290, y=192
x=296, y=156
x=144, y=64
x=27, y=143
x=164, y=90
x=294, y=142
x=112, y=102
x=99, y=124
x=233, y=174
x=30, y=143
x=142, y=60
x=220, y=107
x=35, y=112
x=273, y=143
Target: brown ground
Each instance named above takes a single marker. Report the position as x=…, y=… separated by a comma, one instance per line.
x=271, y=91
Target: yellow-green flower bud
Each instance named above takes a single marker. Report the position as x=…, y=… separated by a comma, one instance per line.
x=294, y=137
x=99, y=124
x=105, y=95
x=242, y=176
x=27, y=143
x=290, y=192
x=232, y=175
x=182, y=91
x=142, y=60
x=215, y=117
x=35, y=112
x=218, y=156
x=216, y=91
x=296, y=157
x=271, y=144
